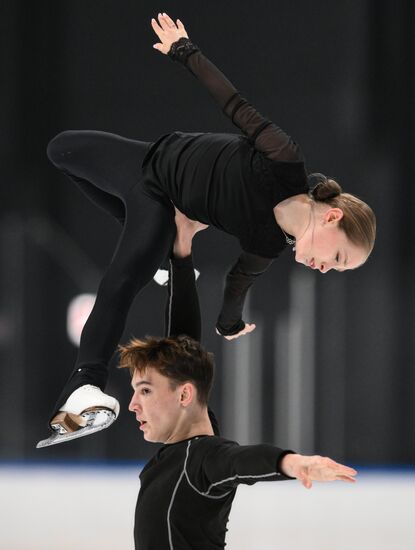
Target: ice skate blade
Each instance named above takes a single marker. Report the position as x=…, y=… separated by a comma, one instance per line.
x=96, y=420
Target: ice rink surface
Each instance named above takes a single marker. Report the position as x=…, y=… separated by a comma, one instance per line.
x=45, y=507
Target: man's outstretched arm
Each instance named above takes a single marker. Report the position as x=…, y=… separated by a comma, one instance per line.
x=226, y=464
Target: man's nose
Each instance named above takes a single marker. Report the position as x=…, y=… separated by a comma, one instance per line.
x=134, y=404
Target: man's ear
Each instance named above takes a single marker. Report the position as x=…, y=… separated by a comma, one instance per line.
x=333, y=215
x=187, y=394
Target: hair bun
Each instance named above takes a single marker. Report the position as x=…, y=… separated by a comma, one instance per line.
x=322, y=188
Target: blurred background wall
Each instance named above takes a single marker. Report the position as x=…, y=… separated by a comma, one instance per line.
x=330, y=366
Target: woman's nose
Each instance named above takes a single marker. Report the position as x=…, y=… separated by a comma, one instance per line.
x=325, y=267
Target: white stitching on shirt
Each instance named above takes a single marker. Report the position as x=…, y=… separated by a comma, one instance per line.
x=191, y=484
x=169, y=509
x=237, y=476
x=171, y=296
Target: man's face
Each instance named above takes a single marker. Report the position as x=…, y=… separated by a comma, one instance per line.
x=156, y=405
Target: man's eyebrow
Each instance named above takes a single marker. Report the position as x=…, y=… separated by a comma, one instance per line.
x=137, y=384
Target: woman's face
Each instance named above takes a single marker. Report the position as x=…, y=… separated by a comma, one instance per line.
x=324, y=246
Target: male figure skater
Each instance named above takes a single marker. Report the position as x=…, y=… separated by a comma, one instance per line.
x=188, y=487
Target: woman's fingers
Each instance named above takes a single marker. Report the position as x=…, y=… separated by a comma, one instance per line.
x=248, y=328
x=161, y=25
x=169, y=21
x=167, y=32
x=162, y=22
x=156, y=28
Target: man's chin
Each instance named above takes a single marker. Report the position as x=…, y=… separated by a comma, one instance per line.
x=151, y=439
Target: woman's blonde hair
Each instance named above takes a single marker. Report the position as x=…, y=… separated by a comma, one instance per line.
x=358, y=221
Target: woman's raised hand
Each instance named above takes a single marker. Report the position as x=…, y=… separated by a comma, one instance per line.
x=167, y=31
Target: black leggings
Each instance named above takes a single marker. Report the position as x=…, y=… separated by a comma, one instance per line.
x=108, y=170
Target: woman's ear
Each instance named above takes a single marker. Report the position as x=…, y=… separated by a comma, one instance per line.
x=333, y=215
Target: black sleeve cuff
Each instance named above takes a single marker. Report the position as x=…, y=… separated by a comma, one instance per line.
x=181, y=50
x=231, y=331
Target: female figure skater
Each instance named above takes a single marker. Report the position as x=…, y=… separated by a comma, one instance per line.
x=254, y=187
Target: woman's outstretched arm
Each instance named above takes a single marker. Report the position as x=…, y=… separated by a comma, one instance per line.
x=264, y=134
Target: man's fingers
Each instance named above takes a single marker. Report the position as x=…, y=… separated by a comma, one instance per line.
x=346, y=473
x=180, y=25
x=339, y=466
x=306, y=481
x=328, y=468
x=346, y=478
x=340, y=469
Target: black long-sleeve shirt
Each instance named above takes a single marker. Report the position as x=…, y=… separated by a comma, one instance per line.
x=188, y=487
x=230, y=181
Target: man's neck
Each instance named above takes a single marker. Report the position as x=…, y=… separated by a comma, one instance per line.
x=188, y=428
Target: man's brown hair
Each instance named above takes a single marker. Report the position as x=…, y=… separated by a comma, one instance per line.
x=180, y=359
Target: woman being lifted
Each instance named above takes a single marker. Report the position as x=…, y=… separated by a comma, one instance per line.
x=253, y=186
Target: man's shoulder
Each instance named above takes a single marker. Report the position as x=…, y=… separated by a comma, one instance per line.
x=199, y=446
x=210, y=443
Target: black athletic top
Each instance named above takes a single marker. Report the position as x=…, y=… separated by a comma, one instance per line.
x=230, y=181
x=188, y=487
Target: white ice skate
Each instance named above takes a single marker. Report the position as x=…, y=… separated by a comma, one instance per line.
x=86, y=411
x=161, y=277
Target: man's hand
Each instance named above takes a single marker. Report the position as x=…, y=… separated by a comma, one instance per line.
x=168, y=32
x=315, y=468
x=248, y=328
